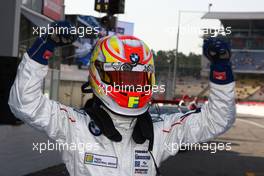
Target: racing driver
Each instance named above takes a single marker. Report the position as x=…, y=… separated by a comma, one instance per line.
x=118, y=121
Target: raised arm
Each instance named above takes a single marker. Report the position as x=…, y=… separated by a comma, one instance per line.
x=216, y=116
x=26, y=99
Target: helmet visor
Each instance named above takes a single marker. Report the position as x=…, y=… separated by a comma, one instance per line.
x=129, y=78
x=124, y=77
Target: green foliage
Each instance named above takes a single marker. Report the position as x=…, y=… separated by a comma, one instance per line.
x=187, y=65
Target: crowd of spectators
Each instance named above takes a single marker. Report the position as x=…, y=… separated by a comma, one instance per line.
x=244, y=60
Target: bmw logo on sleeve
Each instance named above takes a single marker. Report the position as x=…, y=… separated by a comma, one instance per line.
x=94, y=129
x=134, y=57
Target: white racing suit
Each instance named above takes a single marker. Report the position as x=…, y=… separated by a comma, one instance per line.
x=102, y=156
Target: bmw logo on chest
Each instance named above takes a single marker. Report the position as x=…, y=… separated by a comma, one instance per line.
x=94, y=129
x=134, y=57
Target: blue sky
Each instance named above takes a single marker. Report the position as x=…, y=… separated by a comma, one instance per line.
x=156, y=20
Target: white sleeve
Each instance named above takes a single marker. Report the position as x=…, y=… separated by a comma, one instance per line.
x=28, y=103
x=213, y=119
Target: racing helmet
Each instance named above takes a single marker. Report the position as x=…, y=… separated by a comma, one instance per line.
x=121, y=74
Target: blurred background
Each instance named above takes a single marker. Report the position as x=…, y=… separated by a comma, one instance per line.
x=175, y=31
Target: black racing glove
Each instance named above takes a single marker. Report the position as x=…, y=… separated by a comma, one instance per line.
x=218, y=52
x=58, y=35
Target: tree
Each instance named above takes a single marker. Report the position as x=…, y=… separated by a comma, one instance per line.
x=187, y=65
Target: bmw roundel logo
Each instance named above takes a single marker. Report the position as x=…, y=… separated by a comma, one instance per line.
x=94, y=129
x=134, y=57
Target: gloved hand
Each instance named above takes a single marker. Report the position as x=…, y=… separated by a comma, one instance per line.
x=43, y=47
x=218, y=52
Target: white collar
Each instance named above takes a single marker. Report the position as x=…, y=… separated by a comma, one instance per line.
x=121, y=121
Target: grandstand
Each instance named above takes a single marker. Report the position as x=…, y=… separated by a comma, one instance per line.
x=248, y=62
x=247, y=42
x=247, y=39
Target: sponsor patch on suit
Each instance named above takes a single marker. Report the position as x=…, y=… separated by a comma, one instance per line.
x=141, y=162
x=100, y=160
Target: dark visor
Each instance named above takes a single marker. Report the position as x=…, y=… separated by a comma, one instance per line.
x=132, y=78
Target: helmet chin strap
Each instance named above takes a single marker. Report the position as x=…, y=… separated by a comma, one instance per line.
x=143, y=129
